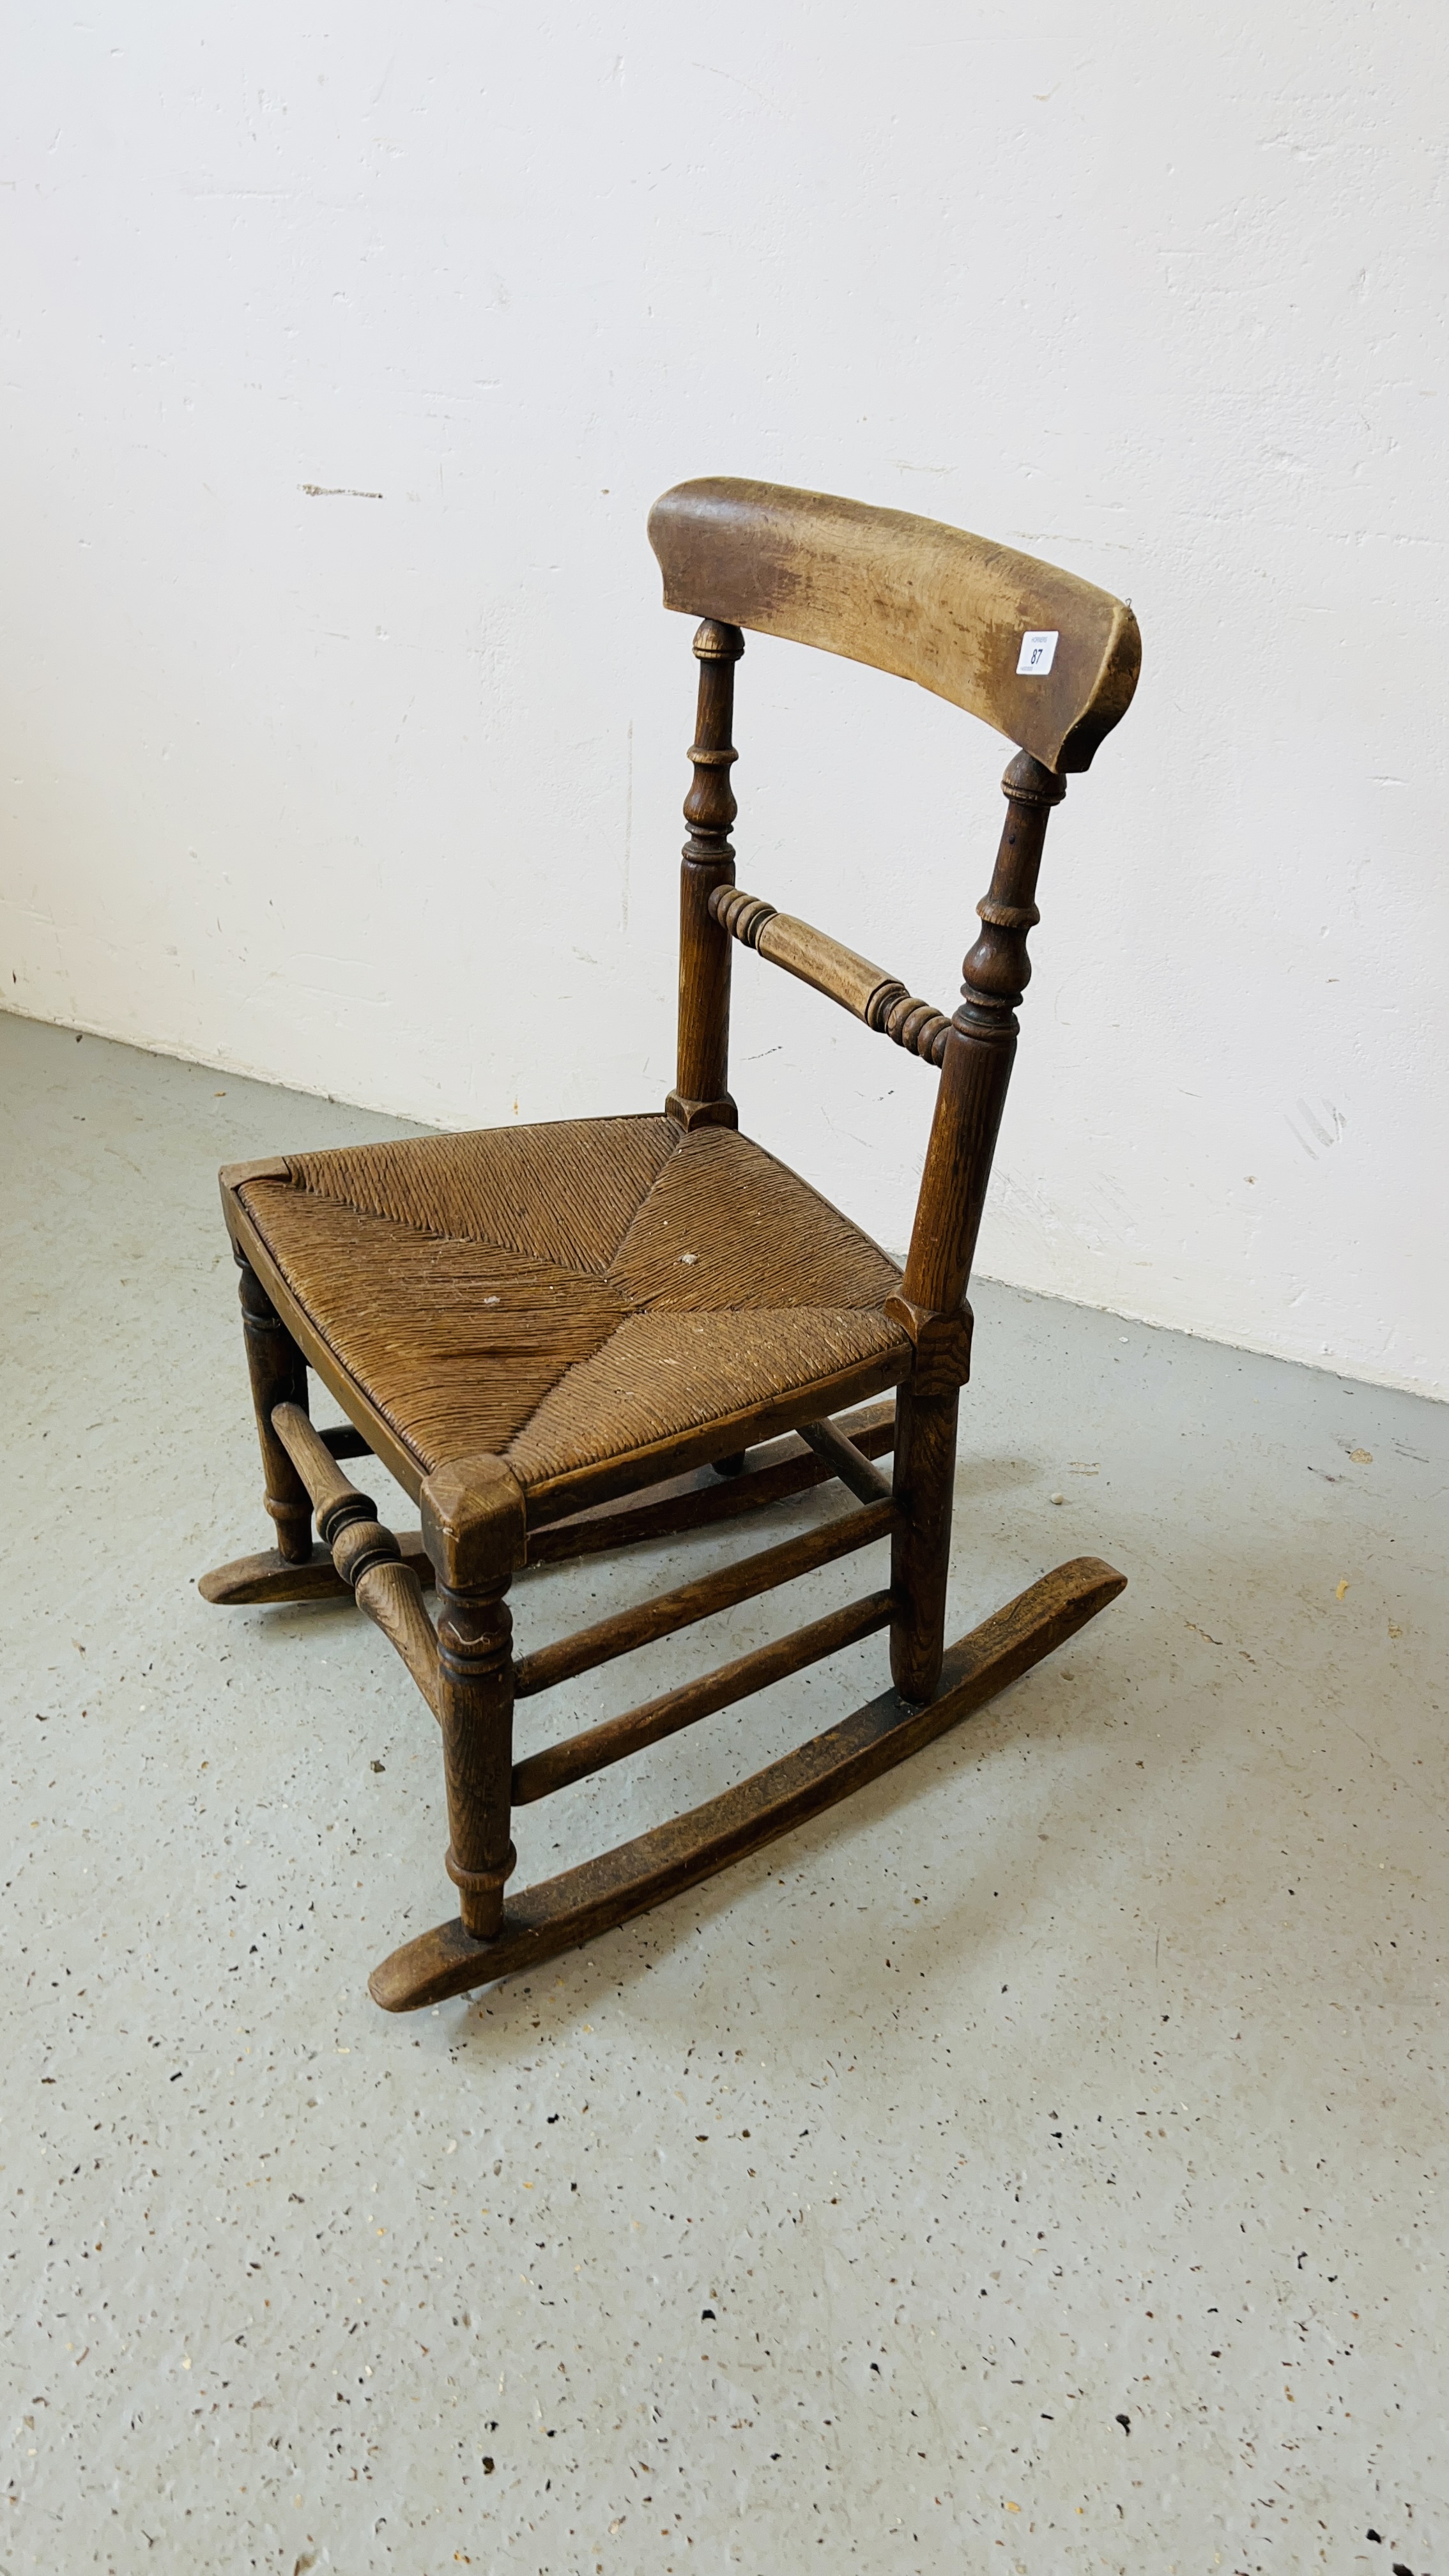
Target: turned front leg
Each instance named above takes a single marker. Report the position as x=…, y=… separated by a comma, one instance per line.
x=473, y=1529
x=923, y=1487
x=475, y=1706
x=279, y=1376
x=921, y=1548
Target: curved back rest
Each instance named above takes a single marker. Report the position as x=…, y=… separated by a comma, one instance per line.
x=1047, y=659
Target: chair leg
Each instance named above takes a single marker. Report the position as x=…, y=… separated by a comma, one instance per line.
x=473, y=1530
x=279, y=1376
x=475, y=1706
x=925, y=1465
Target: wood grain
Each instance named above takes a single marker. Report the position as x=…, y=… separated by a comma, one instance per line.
x=689, y=1602
x=595, y=1747
x=475, y=1710
x=278, y=1375
x=975, y=1073
x=663, y=1512
x=366, y=1557
x=561, y=1913
x=921, y=1548
x=329, y=1491
x=687, y=1504
x=977, y=1066
x=867, y=991
x=269, y=1577
x=392, y=1597
x=701, y=1094
x=929, y=602
x=845, y=1461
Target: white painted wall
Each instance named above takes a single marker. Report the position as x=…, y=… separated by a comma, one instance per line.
x=379, y=796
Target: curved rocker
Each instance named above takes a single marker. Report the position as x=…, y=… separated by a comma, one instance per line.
x=562, y=1913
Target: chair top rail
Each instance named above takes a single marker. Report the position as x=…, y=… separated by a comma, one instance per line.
x=1047, y=659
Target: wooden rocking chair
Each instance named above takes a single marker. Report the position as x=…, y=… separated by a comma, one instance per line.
x=527, y=1323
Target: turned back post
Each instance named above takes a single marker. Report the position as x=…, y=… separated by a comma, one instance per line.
x=701, y=1096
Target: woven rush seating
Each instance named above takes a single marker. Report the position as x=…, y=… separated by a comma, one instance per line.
x=575, y=1293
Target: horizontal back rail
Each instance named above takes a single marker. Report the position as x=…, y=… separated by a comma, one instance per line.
x=1049, y=660
x=866, y=990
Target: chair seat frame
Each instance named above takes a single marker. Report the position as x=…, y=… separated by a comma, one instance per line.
x=851, y=580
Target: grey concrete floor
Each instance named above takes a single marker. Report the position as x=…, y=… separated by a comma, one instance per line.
x=1033, y=2165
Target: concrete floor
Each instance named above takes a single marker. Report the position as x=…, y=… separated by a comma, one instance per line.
x=1066, y=2202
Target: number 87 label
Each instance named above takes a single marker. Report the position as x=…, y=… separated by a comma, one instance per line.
x=1038, y=652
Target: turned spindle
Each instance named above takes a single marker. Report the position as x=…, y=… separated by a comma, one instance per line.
x=278, y=1375
x=976, y=1068
x=701, y=1097
x=975, y=1072
x=475, y=1704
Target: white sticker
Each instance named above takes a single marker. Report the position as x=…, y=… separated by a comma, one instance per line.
x=1038, y=652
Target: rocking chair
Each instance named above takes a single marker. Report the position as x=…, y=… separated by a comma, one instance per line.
x=525, y=1324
